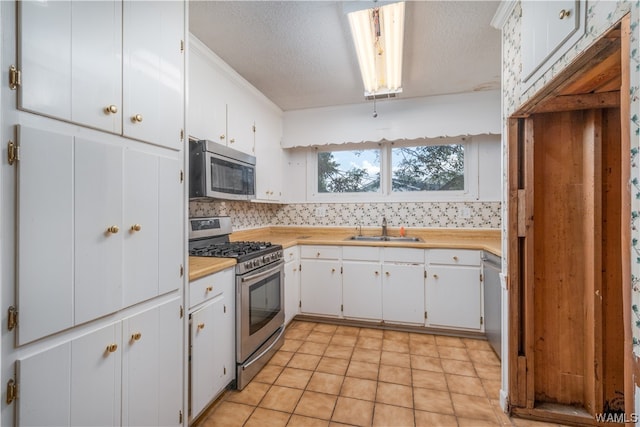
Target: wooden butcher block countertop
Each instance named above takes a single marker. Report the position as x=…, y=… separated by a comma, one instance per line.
x=443, y=238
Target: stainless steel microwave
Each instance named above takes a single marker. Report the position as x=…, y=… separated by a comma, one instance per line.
x=219, y=172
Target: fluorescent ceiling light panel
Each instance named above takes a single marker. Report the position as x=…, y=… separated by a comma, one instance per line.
x=378, y=35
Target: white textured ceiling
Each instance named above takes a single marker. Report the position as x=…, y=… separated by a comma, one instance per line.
x=300, y=53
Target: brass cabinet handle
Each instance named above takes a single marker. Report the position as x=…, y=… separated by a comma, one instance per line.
x=111, y=348
x=376, y=273
x=565, y=13
x=455, y=258
x=232, y=140
x=222, y=136
x=435, y=276
x=137, y=118
x=209, y=288
x=113, y=229
x=111, y=109
x=200, y=326
x=387, y=274
x=136, y=227
x=318, y=254
x=333, y=270
x=136, y=336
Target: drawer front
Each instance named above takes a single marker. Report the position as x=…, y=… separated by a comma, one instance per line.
x=321, y=252
x=453, y=257
x=291, y=254
x=404, y=255
x=211, y=286
x=360, y=253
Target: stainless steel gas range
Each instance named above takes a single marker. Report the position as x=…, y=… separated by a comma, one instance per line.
x=259, y=291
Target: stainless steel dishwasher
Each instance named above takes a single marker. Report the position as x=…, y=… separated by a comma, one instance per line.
x=491, y=269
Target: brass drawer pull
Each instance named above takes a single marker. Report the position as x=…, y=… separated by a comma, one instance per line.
x=113, y=229
x=136, y=336
x=111, y=348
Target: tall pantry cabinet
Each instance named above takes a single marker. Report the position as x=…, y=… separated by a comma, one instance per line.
x=92, y=219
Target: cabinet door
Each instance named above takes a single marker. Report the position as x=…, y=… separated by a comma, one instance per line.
x=321, y=287
x=44, y=50
x=403, y=293
x=153, y=32
x=44, y=233
x=362, y=290
x=208, y=353
x=98, y=252
x=453, y=297
x=240, y=122
x=151, y=370
x=547, y=29
x=291, y=290
x=207, y=109
x=268, y=157
x=70, y=58
x=96, y=64
x=140, y=211
x=95, y=378
x=171, y=228
x=45, y=388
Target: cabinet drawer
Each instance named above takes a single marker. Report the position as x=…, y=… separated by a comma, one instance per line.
x=359, y=253
x=453, y=257
x=404, y=255
x=291, y=254
x=210, y=286
x=322, y=252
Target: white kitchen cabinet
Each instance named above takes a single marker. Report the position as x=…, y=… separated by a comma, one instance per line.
x=111, y=65
x=152, y=367
x=454, y=289
x=212, y=340
x=93, y=372
x=75, y=383
x=153, y=45
x=291, y=283
x=268, y=156
x=105, y=203
x=552, y=27
x=45, y=249
x=361, y=282
x=362, y=290
x=403, y=286
x=320, y=280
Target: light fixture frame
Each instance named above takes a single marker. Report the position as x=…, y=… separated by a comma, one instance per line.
x=380, y=60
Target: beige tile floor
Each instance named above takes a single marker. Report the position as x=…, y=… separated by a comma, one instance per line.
x=330, y=375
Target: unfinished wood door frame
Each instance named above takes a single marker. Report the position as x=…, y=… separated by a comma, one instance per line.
x=521, y=227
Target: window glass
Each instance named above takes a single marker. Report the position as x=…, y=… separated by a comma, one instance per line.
x=349, y=171
x=428, y=168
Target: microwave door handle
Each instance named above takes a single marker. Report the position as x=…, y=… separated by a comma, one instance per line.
x=261, y=275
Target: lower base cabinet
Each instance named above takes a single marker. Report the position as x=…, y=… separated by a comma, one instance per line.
x=403, y=293
x=321, y=287
x=126, y=373
x=212, y=340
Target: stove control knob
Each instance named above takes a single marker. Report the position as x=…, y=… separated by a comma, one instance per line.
x=247, y=265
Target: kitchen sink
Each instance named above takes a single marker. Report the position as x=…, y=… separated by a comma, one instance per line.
x=384, y=239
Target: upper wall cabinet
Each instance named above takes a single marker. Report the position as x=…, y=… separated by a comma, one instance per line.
x=549, y=29
x=219, y=110
x=110, y=65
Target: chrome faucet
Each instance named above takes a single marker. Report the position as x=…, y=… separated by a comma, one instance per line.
x=384, y=226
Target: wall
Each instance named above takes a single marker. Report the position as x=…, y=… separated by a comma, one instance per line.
x=246, y=215
x=601, y=15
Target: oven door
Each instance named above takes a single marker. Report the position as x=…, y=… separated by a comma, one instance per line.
x=228, y=178
x=259, y=307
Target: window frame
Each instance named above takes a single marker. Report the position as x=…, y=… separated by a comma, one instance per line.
x=471, y=172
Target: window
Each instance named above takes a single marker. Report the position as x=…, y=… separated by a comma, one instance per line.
x=428, y=168
x=349, y=171
x=421, y=169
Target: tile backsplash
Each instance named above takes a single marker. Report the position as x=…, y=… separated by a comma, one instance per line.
x=247, y=215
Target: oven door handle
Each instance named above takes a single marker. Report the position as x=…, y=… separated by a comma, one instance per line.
x=259, y=276
x=258, y=357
